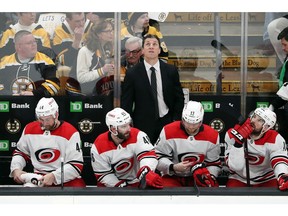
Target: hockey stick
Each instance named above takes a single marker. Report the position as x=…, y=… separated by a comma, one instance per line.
x=241, y=120
x=246, y=156
x=62, y=173
x=142, y=184
x=196, y=188
x=221, y=47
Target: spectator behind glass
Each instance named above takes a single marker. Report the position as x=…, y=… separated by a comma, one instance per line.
x=283, y=78
x=93, y=17
x=48, y=142
x=139, y=26
x=7, y=19
x=26, y=21
x=68, y=38
x=97, y=17
x=267, y=164
x=95, y=68
x=133, y=54
x=189, y=151
x=27, y=71
x=124, y=156
x=274, y=28
x=138, y=99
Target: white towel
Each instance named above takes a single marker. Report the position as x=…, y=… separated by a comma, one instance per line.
x=31, y=180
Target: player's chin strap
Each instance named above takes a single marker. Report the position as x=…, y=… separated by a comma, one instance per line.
x=56, y=123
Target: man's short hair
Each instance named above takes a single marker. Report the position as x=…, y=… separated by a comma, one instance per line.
x=283, y=34
x=150, y=36
x=20, y=34
x=132, y=40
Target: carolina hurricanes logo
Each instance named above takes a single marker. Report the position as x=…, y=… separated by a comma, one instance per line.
x=47, y=155
x=123, y=166
x=191, y=157
x=255, y=159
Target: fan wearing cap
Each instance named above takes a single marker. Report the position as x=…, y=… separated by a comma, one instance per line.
x=267, y=152
x=52, y=146
x=123, y=156
x=189, y=150
x=139, y=26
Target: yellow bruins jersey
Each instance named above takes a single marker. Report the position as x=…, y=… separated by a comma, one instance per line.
x=127, y=32
x=37, y=75
x=62, y=45
x=7, y=44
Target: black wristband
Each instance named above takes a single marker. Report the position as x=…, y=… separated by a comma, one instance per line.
x=171, y=168
x=237, y=145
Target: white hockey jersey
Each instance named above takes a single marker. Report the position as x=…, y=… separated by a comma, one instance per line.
x=175, y=145
x=114, y=164
x=46, y=148
x=267, y=158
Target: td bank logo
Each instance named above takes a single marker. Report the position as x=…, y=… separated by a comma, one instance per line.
x=76, y=106
x=207, y=105
x=4, y=106
x=262, y=104
x=4, y=145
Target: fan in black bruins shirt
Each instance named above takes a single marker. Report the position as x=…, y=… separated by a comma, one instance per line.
x=27, y=71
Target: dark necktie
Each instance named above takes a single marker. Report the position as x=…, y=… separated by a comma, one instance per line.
x=154, y=90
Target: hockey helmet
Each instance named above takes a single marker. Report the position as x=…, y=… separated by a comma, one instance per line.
x=193, y=112
x=46, y=107
x=117, y=117
x=268, y=116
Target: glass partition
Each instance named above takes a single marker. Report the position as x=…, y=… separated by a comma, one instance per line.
x=205, y=46
x=225, y=61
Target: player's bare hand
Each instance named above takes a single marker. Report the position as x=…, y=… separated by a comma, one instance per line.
x=78, y=31
x=109, y=69
x=17, y=176
x=48, y=179
x=183, y=167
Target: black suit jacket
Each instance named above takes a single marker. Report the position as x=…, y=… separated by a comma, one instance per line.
x=137, y=98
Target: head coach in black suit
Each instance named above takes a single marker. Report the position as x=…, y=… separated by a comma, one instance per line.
x=150, y=112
